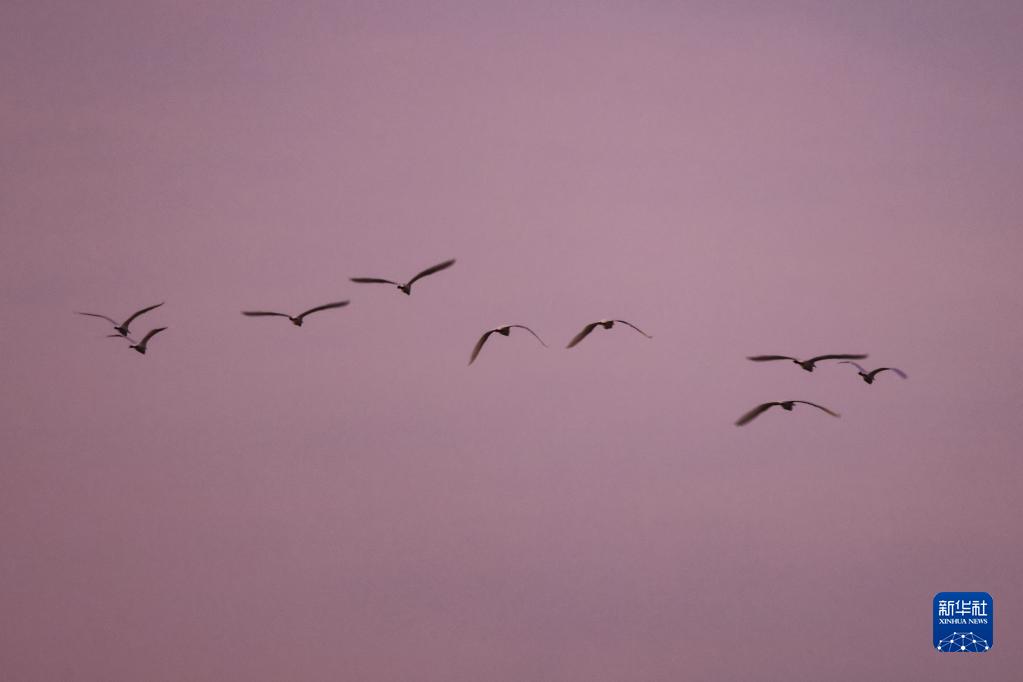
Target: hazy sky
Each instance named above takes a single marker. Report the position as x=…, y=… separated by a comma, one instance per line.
x=349, y=501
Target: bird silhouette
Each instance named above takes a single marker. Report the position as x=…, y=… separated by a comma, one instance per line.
x=869, y=376
x=407, y=286
x=503, y=331
x=141, y=345
x=122, y=328
x=606, y=324
x=785, y=405
x=806, y=364
x=297, y=319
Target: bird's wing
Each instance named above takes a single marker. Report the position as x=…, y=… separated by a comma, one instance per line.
x=151, y=334
x=765, y=358
x=838, y=356
x=372, y=280
x=113, y=322
x=325, y=306
x=636, y=328
x=854, y=364
x=429, y=271
x=819, y=407
x=522, y=326
x=583, y=334
x=893, y=369
x=263, y=313
x=144, y=310
x=479, y=345
x=752, y=414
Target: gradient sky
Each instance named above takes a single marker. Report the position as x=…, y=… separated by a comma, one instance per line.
x=349, y=501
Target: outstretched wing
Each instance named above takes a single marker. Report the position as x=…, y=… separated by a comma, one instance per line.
x=854, y=364
x=522, y=326
x=479, y=345
x=583, y=334
x=372, y=280
x=430, y=270
x=754, y=413
x=113, y=322
x=151, y=334
x=838, y=356
x=819, y=407
x=893, y=369
x=144, y=310
x=765, y=358
x=325, y=306
x=636, y=328
x=263, y=313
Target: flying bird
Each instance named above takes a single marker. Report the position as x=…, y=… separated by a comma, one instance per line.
x=141, y=345
x=606, y=324
x=869, y=376
x=503, y=331
x=297, y=319
x=122, y=329
x=407, y=286
x=785, y=405
x=806, y=364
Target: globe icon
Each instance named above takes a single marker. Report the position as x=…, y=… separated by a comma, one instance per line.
x=963, y=641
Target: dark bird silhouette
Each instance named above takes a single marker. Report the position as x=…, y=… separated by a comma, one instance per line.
x=407, y=286
x=297, y=319
x=606, y=324
x=122, y=329
x=503, y=331
x=785, y=405
x=869, y=376
x=806, y=364
x=141, y=345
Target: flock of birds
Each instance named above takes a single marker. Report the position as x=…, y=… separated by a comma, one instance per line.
x=122, y=332
x=808, y=365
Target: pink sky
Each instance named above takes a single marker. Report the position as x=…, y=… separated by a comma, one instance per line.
x=349, y=501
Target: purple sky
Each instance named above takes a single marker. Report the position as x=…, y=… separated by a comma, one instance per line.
x=349, y=501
